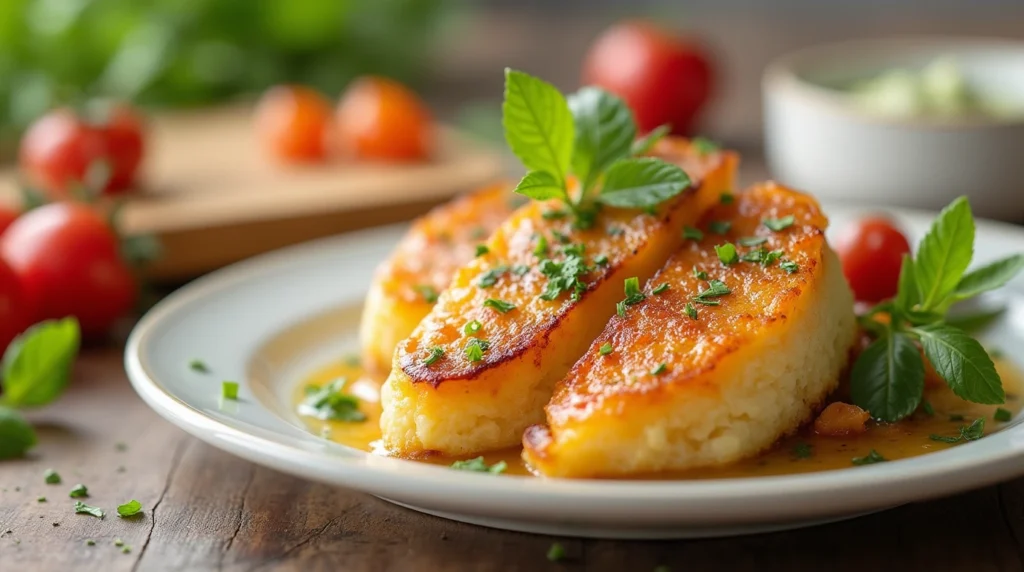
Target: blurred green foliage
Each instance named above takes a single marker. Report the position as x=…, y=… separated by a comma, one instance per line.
x=187, y=52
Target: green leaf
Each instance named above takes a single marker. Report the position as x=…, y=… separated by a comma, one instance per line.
x=538, y=124
x=643, y=145
x=79, y=491
x=604, y=132
x=944, y=254
x=541, y=186
x=887, y=379
x=907, y=295
x=82, y=508
x=642, y=183
x=37, y=364
x=962, y=362
x=16, y=435
x=479, y=465
x=130, y=508
x=330, y=402
x=989, y=277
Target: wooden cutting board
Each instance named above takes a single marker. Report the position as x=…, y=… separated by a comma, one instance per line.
x=212, y=197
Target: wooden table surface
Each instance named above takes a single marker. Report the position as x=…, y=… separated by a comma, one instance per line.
x=208, y=510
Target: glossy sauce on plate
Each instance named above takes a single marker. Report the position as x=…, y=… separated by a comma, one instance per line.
x=803, y=452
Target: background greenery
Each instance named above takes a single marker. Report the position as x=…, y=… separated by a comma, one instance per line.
x=189, y=52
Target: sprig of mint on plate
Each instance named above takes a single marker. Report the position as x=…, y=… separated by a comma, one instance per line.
x=36, y=369
x=591, y=135
x=888, y=377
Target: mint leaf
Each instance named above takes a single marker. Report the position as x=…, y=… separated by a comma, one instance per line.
x=541, y=186
x=130, y=508
x=16, y=435
x=643, y=145
x=604, y=132
x=907, y=295
x=962, y=362
x=989, y=277
x=538, y=124
x=887, y=379
x=642, y=183
x=37, y=364
x=944, y=254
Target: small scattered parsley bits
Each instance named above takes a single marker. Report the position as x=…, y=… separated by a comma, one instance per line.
x=691, y=311
x=727, y=198
x=802, y=451
x=1002, y=415
x=475, y=348
x=972, y=432
x=691, y=233
x=779, y=224
x=726, y=253
x=869, y=459
x=615, y=231
x=719, y=226
x=789, y=266
x=605, y=349
x=499, y=306
x=51, y=477
x=198, y=366
x=699, y=274
x=601, y=260
x=41, y=499
x=556, y=553
x=661, y=288
x=927, y=408
x=79, y=491
x=433, y=354
x=472, y=327
x=659, y=369
x=118, y=542
x=90, y=542
x=82, y=508
x=481, y=249
x=479, y=465
x=229, y=390
x=427, y=292
x=490, y=278
x=130, y=508
x=749, y=241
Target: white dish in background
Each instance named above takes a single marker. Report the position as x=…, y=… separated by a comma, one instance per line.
x=270, y=321
x=818, y=138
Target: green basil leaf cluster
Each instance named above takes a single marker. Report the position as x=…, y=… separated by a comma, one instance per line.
x=591, y=134
x=888, y=377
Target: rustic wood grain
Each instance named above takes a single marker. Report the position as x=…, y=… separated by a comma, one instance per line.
x=208, y=510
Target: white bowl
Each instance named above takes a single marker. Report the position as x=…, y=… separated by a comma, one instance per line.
x=819, y=140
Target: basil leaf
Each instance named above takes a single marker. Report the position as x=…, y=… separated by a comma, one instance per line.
x=540, y=186
x=643, y=145
x=16, y=435
x=604, y=132
x=989, y=277
x=962, y=362
x=538, y=125
x=944, y=254
x=907, y=295
x=888, y=377
x=130, y=508
x=642, y=183
x=37, y=364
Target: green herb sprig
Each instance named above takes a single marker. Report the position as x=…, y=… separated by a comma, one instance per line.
x=331, y=402
x=888, y=377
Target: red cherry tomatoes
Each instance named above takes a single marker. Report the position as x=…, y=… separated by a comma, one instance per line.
x=664, y=79
x=381, y=119
x=68, y=262
x=292, y=122
x=871, y=251
x=14, y=311
x=59, y=148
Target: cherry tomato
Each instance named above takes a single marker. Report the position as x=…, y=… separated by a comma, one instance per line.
x=14, y=311
x=59, y=148
x=871, y=251
x=381, y=119
x=7, y=216
x=68, y=262
x=292, y=122
x=663, y=78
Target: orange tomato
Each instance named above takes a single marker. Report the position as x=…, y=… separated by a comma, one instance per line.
x=292, y=122
x=381, y=119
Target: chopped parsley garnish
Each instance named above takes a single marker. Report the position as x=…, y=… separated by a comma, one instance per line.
x=802, y=451
x=490, y=278
x=926, y=407
x=869, y=459
x=561, y=237
x=606, y=349
x=433, y=354
x=726, y=253
x=82, y=508
x=472, y=327
x=705, y=146
x=499, y=306
x=762, y=256
x=601, y=260
x=789, y=266
x=661, y=288
x=699, y=274
x=475, y=349
x=633, y=295
x=481, y=249
x=727, y=198
x=659, y=369
x=478, y=465
x=779, y=224
x=541, y=248
x=130, y=508
x=752, y=241
x=972, y=432
x=79, y=491
x=716, y=288
x=565, y=276
x=719, y=226
x=691, y=233
x=1002, y=415
x=555, y=214
x=427, y=292
x=330, y=402
x=51, y=477
x=229, y=390
x=556, y=553
x=198, y=366
x=691, y=311
x=520, y=269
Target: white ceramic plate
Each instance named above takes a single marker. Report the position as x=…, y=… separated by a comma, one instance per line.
x=270, y=321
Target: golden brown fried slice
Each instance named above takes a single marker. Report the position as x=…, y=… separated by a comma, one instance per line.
x=480, y=367
x=704, y=373
x=407, y=284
